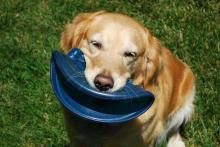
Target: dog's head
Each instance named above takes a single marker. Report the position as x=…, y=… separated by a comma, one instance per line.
x=116, y=48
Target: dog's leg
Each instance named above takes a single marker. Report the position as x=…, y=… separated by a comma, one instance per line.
x=179, y=120
x=175, y=141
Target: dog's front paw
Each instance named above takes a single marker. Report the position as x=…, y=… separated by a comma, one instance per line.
x=176, y=141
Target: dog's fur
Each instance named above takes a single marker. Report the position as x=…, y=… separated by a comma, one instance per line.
x=105, y=38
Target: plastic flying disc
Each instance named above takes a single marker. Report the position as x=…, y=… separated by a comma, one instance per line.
x=76, y=95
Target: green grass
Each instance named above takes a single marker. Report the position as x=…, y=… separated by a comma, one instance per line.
x=30, y=31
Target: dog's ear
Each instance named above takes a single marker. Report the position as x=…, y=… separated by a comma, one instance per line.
x=74, y=32
x=153, y=60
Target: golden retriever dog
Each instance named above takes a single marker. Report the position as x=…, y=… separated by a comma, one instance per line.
x=117, y=48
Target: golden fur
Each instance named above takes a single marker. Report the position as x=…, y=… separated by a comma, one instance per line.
x=155, y=69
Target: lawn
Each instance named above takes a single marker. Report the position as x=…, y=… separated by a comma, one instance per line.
x=30, y=31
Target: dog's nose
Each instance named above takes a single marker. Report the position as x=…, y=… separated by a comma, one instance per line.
x=103, y=82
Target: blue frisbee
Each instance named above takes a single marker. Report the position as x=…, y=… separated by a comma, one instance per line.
x=76, y=95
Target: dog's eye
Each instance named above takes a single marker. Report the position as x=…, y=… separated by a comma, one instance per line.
x=130, y=54
x=96, y=44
